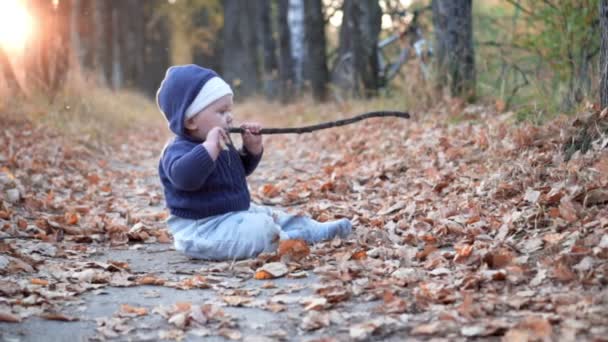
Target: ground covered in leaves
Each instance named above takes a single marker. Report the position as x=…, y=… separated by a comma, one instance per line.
x=473, y=229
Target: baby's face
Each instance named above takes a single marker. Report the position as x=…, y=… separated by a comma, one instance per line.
x=217, y=114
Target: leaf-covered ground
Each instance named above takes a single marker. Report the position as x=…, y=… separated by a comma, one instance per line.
x=476, y=229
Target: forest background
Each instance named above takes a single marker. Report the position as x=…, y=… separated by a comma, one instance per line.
x=539, y=59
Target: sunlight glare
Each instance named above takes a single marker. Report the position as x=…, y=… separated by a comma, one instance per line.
x=15, y=24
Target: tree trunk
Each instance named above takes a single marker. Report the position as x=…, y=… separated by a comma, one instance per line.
x=315, y=39
x=107, y=54
x=9, y=76
x=75, y=33
x=361, y=25
x=297, y=30
x=286, y=73
x=240, y=60
x=604, y=53
x=265, y=35
x=156, y=39
x=48, y=53
x=98, y=46
x=455, y=57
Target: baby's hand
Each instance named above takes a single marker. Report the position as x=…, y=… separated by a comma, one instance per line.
x=252, y=139
x=215, y=141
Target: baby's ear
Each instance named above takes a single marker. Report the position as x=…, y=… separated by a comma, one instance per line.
x=189, y=124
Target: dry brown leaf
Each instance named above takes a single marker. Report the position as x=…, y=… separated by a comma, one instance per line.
x=293, y=250
x=359, y=255
x=37, y=281
x=271, y=270
x=270, y=190
x=128, y=309
x=163, y=237
x=150, y=280
x=57, y=316
x=262, y=275
x=9, y=317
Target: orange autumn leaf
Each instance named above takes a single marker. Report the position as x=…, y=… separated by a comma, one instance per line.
x=262, y=275
x=428, y=249
x=428, y=238
x=71, y=218
x=38, y=281
x=293, y=250
x=150, y=280
x=360, y=255
x=93, y=179
x=126, y=308
x=327, y=186
x=463, y=252
x=270, y=190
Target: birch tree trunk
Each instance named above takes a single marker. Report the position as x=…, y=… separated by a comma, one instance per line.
x=297, y=31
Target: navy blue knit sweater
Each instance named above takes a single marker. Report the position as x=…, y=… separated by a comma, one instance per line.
x=195, y=186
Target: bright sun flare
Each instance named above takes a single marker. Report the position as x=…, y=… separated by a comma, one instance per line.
x=15, y=24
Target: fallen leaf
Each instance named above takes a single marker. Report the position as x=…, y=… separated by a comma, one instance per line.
x=150, y=280
x=271, y=270
x=293, y=250
x=56, y=316
x=9, y=317
x=359, y=255
x=128, y=309
x=37, y=281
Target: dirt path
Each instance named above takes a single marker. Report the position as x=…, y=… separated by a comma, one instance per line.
x=462, y=231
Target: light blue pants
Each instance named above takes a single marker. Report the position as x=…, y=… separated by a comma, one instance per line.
x=245, y=234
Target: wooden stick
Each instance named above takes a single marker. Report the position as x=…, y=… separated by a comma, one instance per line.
x=330, y=124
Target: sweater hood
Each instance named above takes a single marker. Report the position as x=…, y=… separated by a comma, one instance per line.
x=178, y=90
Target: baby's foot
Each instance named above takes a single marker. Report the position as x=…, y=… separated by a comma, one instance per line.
x=341, y=228
x=344, y=227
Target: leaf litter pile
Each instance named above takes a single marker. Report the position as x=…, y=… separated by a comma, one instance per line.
x=477, y=229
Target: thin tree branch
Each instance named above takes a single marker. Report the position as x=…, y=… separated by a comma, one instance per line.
x=330, y=124
x=520, y=7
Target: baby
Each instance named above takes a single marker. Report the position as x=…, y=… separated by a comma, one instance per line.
x=203, y=176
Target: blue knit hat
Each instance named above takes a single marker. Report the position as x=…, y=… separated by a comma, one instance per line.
x=185, y=91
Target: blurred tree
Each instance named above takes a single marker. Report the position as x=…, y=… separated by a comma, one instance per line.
x=206, y=32
x=8, y=75
x=156, y=46
x=315, y=40
x=240, y=58
x=361, y=25
x=131, y=40
x=454, y=53
x=299, y=49
x=286, y=70
x=268, y=46
x=48, y=51
x=604, y=53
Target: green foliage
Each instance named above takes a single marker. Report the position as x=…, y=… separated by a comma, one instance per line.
x=537, y=54
x=562, y=33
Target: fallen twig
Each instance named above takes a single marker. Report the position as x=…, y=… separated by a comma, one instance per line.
x=330, y=124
